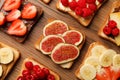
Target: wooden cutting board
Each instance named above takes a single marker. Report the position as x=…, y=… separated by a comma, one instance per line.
x=27, y=49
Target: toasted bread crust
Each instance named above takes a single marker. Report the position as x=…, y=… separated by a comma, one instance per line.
x=86, y=56
x=68, y=64
x=8, y=67
x=84, y=21
x=100, y=32
x=37, y=63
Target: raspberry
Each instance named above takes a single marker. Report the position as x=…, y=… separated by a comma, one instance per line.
x=25, y=72
x=29, y=65
x=73, y=5
x=41, y=74
x=112, y=24
x=51, y=77
x=93, y=7
x=20, y=78
x=36, y=68
x=46, y=71
x=100, y=1
x=82, y=3
x=65, y=2
x=87, y=12
x=78, y=11
x=107, y=30
x=115, y=32
x=28, y=77
x=90, y=1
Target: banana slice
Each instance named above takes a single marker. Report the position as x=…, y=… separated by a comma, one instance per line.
x=107, y=57
x=87, y=72
x=97, y=50
x=94, y=61
x=116, y=60
x=6, y=55
x=1, y=70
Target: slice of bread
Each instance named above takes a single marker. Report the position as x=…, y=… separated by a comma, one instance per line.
x=116, y=4
x=8, y=67
x=46, y=1
x=83, y=21
x=41, y=65
x=86, y=56
x=68, y=64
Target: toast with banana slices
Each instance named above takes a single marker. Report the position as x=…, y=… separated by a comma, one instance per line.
x=82, y=10
x=110, y=30
x=58, y=36
x=46, y=1
x=99, y=61
x=38, y=71
x=8, y=57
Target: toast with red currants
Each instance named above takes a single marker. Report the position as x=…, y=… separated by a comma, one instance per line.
x=110, y=30
x=82, y=10
x=32, y=69
x=46, y=1
x=99, y=63
x=8, y=58
x=61, y=42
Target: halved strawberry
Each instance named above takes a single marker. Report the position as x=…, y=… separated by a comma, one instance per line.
x=11, y=4
x=115, y=74
x=13, y=15
x=2, y=18
x=29, y=11
x=104, y=74
x=17, y=28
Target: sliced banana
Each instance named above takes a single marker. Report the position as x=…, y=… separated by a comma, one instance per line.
x=97, y=50
x=6, y=55
x=107, y=57
x=87, y=72
x=116, y=60
x=94, y=61
x=1, y=70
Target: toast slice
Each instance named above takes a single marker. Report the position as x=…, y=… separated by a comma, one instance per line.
x=37, y=63
x=68, y=64
x=46, y=1
x=84, y=21
x=8, y=67
x=113, y=15
x=29, y=23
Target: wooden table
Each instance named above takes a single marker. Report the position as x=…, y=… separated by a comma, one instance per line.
x=27, y=49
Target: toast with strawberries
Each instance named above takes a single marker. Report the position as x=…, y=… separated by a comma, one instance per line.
x=36, y=71
x=110, y=30
x=82, y=10
x=98, y=61
x=8, y=58
x=14, y=20
x=59, y=41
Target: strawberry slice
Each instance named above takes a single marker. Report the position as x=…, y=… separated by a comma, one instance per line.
x=13, y=15
x=115, y=73
x=29, y=11
x=11, y=4
x=2, y=18
x=104, y=74
x=17, y=28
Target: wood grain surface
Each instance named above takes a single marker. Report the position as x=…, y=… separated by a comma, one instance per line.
x=27, y=49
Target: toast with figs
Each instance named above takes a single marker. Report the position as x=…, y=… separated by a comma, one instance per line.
x=36, y=71
x=98, y=61
x=82, y=10
x=61, y=42
x=18, y=18
x=8, y=57
x=110, y=30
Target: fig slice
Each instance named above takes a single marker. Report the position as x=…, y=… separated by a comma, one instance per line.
x=49, y=42
x=56, y=27
x=63, y=53
x=73, y=37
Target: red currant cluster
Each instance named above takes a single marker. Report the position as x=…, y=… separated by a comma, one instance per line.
x=35, y=72
x=82, y=8
x=111, y=29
